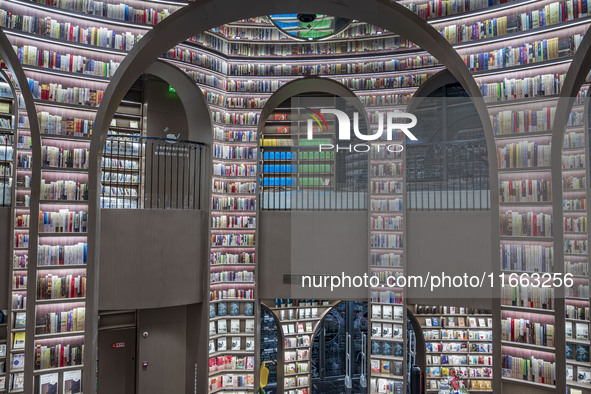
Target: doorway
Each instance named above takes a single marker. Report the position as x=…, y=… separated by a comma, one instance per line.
x=329, y=353
x=116, y=367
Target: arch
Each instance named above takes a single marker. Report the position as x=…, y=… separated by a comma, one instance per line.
x=575, y=76
x=436, y=81
x=9, y=57
x=191, y=96
x=305, y=85
x=203, y=15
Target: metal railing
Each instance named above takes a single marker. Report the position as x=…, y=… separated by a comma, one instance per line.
x=152, y=173
x=6, y=168
x=448, y=176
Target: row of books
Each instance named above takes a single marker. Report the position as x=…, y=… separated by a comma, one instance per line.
x=55, y=92
x=63, y=221
x=578, y=291
x=389, y=169
x=524, y=154
x=221, y=327
x=64, y=125
x=580, y=333
x=387, y=223
x=525, y=190
x=234, y=152
x=63, y=190
x=52, y=156
x=66, y=31
x=120, y=178
x=233, y=221
x=386, y=386
x=530, y=369
x=52, y=287
x=526, y=257
x=233, y=187
x=386, y=330
x=231, y=276
x=23, y=160
x=123, y=12
x=577, y=312
x=386, y=187
x=386, y=259
x=574, y=161
x=384, y=205
x=220, y=169
x=526, y=331
x=575, y=224
x=232, y=240
x=529, y=87
x=526, y=224
x=32, y=56
x=526, y=121
x=528, y=297
x=242, y=118
x=478, y=30
x=122, y=164
x=338, y=68
x=527, y=53
x=573, y=140
x=233, y=203
x=234, y=135
x=386, y=297
x=387, y=348
x=22, y=221
x=60, y=355
x=231, y=382
x=19, y=282
x=297, y=368
x=231, y=294
x=231, y=258
x=386, y=241
x=235, y=309
x=459, y=335
x=437, y=8
x=21, y=240
x=66, y=321
x=223, y=363
x=19, y=301
x=577, y=268
x=386, y=367
x=575, y=246
x=279, y=49
x=552, y=14
x=20, y=261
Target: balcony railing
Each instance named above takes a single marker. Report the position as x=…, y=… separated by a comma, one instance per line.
x=152, y=173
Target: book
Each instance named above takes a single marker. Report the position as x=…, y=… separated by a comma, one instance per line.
x=234, y=309
x=20, y=320
x=222, y=309
x=234, y=326
x=249, y=344
x=48, y=383
x=249, y=326
x=376, y=311
x=222, y=344
x=248, y=309
x=387, y=312
x=222, y=326
x=18, y=361
x=72, y=382
x=212, y=328
x=2, y=350
x=18, y=340
x=236, y=343
x=582, y=331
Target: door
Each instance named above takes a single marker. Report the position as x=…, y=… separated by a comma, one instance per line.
x=116, y=361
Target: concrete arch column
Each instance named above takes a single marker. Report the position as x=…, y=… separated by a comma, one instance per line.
x=11, y=61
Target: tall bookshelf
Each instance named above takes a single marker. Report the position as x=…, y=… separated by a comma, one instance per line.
x=458, y=342
x=298, y=324
x=14, y=353
x=575, y=164
x=387, y=214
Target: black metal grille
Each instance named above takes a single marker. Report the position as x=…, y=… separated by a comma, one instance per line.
x=152, y=173
x=6, y=168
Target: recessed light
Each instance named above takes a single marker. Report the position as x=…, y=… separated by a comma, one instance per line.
x=310, y=38
x=379, y=32
x=237, y=37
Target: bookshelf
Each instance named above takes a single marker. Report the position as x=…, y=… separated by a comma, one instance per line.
x=575, y=192
x=458, y=340
x=298, y=322
x=387, y=220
